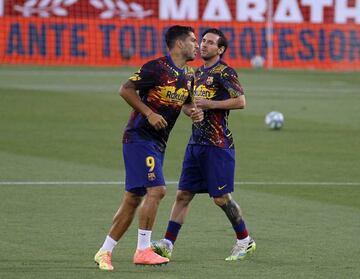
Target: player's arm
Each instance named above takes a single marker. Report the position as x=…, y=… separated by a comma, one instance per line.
x=230, y=82
x=238, y=102
x=128, y=92
x=195, y=113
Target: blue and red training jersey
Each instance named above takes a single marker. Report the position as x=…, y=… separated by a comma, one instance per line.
x=164, y=88
x=218, y=82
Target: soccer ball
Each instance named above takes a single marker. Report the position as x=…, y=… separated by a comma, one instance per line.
x=257, y=61
x=274, y=120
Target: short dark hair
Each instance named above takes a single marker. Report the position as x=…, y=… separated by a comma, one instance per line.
x=222, y=42
x=176, y=32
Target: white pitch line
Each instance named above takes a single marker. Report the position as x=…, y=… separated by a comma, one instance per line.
x=297, y=183
x=176, y=182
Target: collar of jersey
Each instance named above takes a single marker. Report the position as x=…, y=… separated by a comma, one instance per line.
x=172, y=64
x=213, y=66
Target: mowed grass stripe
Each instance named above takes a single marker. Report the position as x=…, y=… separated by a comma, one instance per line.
x=65, y=124
x=287, y=246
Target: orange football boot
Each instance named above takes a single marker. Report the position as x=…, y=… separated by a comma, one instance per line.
x=149, y=257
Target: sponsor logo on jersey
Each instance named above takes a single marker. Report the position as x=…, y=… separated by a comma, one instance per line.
x=179, y=95
x=204, y=92
x=169, y=94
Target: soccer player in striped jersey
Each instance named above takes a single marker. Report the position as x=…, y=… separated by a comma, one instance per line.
x=157, y=93
x=209, y=161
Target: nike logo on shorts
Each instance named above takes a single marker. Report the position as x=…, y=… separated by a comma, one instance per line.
x=222, y=187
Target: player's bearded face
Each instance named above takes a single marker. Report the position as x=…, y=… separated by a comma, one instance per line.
x=209, y=47
x=191, y=47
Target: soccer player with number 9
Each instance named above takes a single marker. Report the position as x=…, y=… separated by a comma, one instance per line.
x=157, y=93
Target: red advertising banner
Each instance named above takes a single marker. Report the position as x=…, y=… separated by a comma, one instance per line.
x=69, y=41
x=279, y=11
x=81, y=8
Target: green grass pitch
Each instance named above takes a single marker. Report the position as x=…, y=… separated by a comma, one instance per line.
x=299, y=187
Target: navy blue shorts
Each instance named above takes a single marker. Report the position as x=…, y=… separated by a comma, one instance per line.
x=208, y=169
x=143, y=166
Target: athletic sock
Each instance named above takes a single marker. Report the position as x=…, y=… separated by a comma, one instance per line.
x=172, y=231
x=108, y=244
x=144, y=238
x=240, y=230
x=243, y=241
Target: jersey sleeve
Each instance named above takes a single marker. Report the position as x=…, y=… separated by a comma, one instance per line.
x=231, y=82
x=146, y=76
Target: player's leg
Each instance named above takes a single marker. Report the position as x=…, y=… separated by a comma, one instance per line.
x=220, y=180
x=143, y=166
x=155, y=190
x=124, y=215
x=144, y=255
x=148, y=209
x=178, y=214
x=189, y=180
x=244, y=243
x=120, y=224
x=147, y=214
x=181, y=206
x=233, y=213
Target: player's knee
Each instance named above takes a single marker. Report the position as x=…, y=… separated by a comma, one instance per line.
x=219, y=201
x=161, y=195
x=222, y=200
x=132, y=200
x=184, y=197
x=156, y=193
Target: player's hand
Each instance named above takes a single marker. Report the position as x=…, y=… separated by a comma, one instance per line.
x=197, y=115
x=203, y=103
x=157, y=121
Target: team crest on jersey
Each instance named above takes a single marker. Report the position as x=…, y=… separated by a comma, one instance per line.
x=209, y=80
x=151, y=176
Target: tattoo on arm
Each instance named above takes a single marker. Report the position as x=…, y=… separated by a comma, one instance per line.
x=233, y=212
